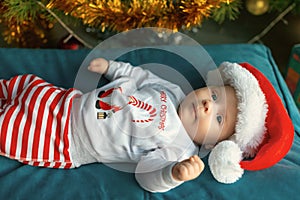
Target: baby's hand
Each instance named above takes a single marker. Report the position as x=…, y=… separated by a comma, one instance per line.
x=98, y=65
x=188, y=169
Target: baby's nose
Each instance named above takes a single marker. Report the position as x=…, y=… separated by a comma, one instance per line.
x=207, y=104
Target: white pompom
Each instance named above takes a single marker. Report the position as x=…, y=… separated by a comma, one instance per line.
x=224, y=162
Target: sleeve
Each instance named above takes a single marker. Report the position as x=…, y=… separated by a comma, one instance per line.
x=154, y=172
x=141, y=76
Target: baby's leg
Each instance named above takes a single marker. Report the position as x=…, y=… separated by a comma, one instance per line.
x=9, y=89
x=3, y=92
x=34, y=122
x=62, y=165
x=11, y=98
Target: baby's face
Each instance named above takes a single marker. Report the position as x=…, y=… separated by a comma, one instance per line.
x=209, y=114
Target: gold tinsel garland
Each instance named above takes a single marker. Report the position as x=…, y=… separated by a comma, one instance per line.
x=123, y=15
x=115, y=15
x=27, y=34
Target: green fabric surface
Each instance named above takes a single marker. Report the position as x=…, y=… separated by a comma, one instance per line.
x=97, y=181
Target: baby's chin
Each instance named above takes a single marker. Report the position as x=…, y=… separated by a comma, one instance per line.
x=192, y=134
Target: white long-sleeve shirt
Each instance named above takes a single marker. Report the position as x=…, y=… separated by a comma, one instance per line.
x=132, y=121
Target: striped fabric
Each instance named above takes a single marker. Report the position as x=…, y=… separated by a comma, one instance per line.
x=35, y=121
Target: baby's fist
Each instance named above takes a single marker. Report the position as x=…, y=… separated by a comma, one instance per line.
x=98, y=65
x=188, y=169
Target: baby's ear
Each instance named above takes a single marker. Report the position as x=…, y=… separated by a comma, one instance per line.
x=209, y=146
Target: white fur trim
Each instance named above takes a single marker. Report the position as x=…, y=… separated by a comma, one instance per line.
x=252, y=106
x=224, y=162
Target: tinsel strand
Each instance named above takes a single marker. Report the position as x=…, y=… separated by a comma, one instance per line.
x=119, y=16
x=114, y=15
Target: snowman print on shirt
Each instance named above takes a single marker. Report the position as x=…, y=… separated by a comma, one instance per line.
x=105, y=109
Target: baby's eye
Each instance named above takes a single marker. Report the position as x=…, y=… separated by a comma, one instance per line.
x=219, y=119
x=214, y=96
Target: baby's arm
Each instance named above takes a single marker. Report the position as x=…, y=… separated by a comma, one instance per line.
x=188, y=169
x=114, y=70
x=166, y=175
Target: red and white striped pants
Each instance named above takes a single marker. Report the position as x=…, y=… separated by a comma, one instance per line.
x=35, y=123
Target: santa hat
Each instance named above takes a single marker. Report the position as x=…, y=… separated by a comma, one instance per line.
x=263, y=132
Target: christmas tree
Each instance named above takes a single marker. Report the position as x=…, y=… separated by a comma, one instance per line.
x=27, y=21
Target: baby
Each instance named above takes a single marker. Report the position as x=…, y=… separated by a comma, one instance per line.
x=137, y=118
x=205, y=113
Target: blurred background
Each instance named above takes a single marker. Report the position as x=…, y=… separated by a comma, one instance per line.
x=73, y=24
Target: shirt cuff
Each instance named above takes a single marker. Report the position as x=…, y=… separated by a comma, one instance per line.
x=112, y=67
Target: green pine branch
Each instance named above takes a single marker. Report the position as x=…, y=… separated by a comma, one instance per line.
x=229, y=11
x=21, y=10
x=280, y=5
x=29, y=10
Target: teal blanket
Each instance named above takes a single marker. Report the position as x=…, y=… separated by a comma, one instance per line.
x=97, y=181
